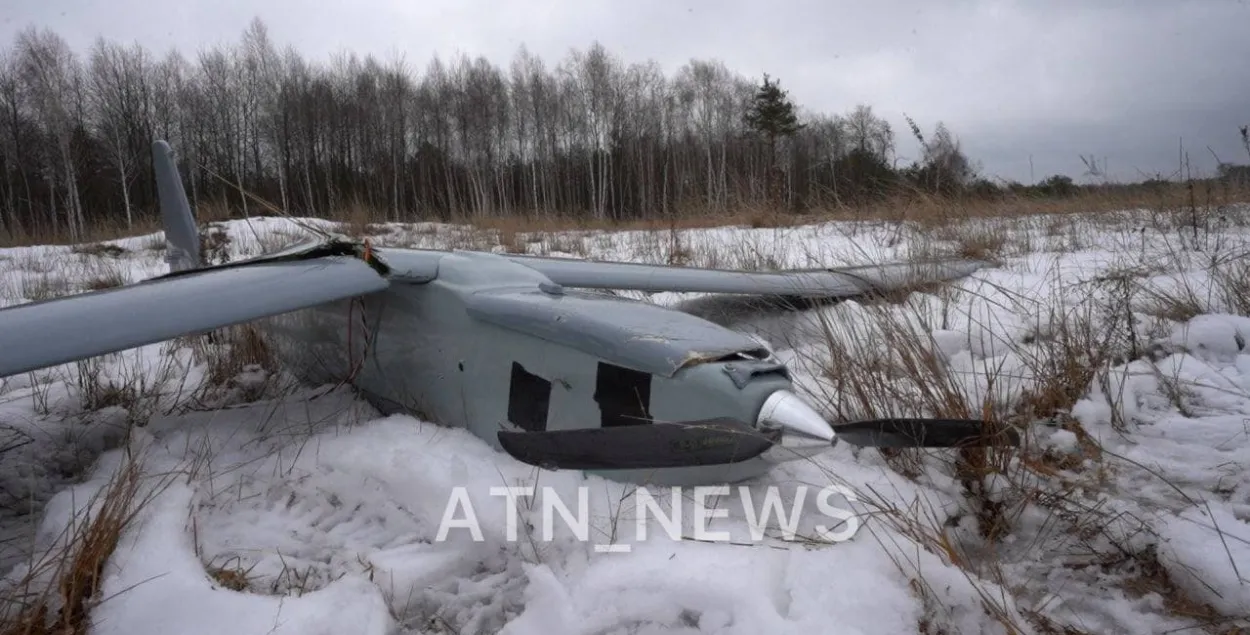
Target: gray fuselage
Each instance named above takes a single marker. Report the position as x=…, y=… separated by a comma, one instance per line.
x=488, y=344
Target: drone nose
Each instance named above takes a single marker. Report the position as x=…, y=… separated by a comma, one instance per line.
x=804, y=433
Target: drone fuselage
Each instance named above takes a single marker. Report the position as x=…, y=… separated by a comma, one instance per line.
x=489, y=345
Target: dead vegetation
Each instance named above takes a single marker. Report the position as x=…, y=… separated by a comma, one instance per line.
x=59, y=589
x=1201, y=210
x=239, y=366
x=99, y=249
x=893, y=359
x=104, y=275
x=881, y=361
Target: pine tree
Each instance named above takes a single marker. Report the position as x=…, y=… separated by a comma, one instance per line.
x=772, y=114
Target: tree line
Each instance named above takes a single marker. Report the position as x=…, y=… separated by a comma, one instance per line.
x=457, y=139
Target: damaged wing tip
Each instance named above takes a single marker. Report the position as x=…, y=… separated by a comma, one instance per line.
x=366, y=252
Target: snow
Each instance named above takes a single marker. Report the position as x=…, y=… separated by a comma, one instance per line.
x=303, y=510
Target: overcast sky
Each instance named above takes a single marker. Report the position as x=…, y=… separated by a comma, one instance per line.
x=1028, y=87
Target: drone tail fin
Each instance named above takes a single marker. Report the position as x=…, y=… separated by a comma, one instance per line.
x=182, y=238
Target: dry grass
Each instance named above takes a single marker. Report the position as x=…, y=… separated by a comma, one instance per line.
x=97, y=231
x=103, y=274
x=892, y=367
x=45, y=286
x=239, y=366
x=230, y=574
x=60, y=588
x=48, y=276
x=99, y=250
x=358, y=219
x=1152, y=577
x=880, y=359
x=1224, y=291
x=62, y=585
x=981, y=241
x=1065, y=361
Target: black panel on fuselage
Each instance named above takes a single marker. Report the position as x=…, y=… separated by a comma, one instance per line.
x=623, y=395
x=529, y=399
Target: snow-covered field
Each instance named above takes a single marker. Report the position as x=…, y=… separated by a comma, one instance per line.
x=293, y=509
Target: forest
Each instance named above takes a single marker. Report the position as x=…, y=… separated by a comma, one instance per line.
x=587, y=136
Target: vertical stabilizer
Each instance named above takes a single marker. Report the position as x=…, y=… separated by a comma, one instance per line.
x=182, y=239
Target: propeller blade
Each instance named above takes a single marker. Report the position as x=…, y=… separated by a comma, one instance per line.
x=923, y=433
x=643, y=446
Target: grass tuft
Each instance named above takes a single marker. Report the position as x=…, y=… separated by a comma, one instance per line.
x=60, y=587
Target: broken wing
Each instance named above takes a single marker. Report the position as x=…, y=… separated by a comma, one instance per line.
x=61, y=330
x=815, y=283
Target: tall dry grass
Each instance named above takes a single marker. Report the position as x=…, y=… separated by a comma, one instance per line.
x=55, y=593
x=881, y=358
x=901, y=207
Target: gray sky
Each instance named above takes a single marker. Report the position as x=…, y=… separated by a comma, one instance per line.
x=1127, y=81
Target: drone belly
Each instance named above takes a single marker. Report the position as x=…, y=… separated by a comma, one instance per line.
x=417, y=345
x=388, y=345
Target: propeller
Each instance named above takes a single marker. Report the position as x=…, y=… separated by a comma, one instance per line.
x=923, y=433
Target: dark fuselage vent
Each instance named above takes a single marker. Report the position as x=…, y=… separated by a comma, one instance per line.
x=529, y=398
x=623, y=395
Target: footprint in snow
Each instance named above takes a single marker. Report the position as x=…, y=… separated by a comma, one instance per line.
x=275, y=534
x=298, y=534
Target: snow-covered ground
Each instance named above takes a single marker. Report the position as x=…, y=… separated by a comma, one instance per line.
x=296, y=509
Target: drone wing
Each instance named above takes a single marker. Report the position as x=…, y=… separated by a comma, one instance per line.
x=61, y=330
x=812, y=283
x=191, y=299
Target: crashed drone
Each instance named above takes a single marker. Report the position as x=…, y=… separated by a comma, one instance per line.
x=528, y=353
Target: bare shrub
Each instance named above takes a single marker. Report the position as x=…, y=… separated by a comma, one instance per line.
x=983, y=239
x=358, y=220
x=99, y=250
x=1064, y=361
x=102, y=274
x=44, y=286
x=238, y=362
x=1232, y=286
x=881, y=359
x=139, y=388
x=214, y=245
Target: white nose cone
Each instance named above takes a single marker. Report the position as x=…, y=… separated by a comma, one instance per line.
x=804, y=433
